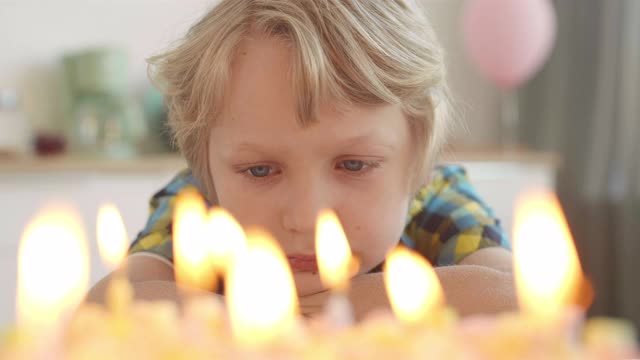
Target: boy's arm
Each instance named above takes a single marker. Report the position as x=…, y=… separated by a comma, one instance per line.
x=481, y=284
x=151, y=279
x=140, y=270
x=149, y=267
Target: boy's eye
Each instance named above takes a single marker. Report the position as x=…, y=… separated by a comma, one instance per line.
x=260, y=171
x=353, y=165
x=358, y=167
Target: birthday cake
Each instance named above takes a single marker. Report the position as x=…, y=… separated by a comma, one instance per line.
x=243, y=325
x=158, y=330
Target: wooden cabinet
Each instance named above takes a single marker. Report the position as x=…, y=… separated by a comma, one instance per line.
x=28, y=187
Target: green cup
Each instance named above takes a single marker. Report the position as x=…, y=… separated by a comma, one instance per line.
x=97, y=71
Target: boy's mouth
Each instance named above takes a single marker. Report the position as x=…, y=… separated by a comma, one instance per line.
x=303, y=263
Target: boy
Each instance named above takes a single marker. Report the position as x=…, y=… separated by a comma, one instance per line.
x=285, y=107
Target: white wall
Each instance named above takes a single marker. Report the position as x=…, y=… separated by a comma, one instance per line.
x=35, y=33
x=479, y=102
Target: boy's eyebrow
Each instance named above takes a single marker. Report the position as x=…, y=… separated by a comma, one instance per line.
x=370, y=140
x=246, y=146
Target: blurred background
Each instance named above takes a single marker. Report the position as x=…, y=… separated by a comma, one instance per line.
x=80, y=123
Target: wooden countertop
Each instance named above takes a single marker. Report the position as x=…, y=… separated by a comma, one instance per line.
x=502, y=155
x=174, y=162
x=146, y=163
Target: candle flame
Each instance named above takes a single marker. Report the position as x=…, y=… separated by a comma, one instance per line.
x=335, y=262
x=112, y=236
x=260, y=292
x=191, y=254
x=53, y=268
x=546, y=265
x=412, y=285
x=227, y=238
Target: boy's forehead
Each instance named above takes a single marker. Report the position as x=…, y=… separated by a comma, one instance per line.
x=261, y=87
x=260, y=79
x=264, y=58
x=382, y=127
x=262, y=103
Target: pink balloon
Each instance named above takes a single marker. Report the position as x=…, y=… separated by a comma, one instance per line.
x=509, y=40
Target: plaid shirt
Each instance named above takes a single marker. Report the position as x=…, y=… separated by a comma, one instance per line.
x=447, y=219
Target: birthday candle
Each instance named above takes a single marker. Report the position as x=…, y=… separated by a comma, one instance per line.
x=336, y=265
x=53, y=270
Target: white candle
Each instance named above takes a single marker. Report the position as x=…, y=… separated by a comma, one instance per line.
x=194, y=268
x=413, y=287
x=336, y=265
x=112, y=243
x=53, y=268
x=260, y=294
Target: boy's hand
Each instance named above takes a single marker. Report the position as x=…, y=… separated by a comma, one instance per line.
x=482, y=284
x=366, y=293
x=313, y=305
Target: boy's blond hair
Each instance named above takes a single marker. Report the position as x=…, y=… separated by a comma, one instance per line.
x=345, y=52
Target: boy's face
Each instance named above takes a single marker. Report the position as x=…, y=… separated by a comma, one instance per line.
x=271, y=172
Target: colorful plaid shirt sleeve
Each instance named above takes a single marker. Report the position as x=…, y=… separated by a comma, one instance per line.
x=447, y=220
x=156, y=237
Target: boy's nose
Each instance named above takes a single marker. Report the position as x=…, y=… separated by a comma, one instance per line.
x=303, y=202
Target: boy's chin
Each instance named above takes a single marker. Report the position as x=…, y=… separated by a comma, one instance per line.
x=307, y=283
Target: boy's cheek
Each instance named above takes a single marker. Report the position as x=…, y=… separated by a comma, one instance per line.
x=377, y=232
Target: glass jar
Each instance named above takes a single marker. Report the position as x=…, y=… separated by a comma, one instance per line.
x=15, y=132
